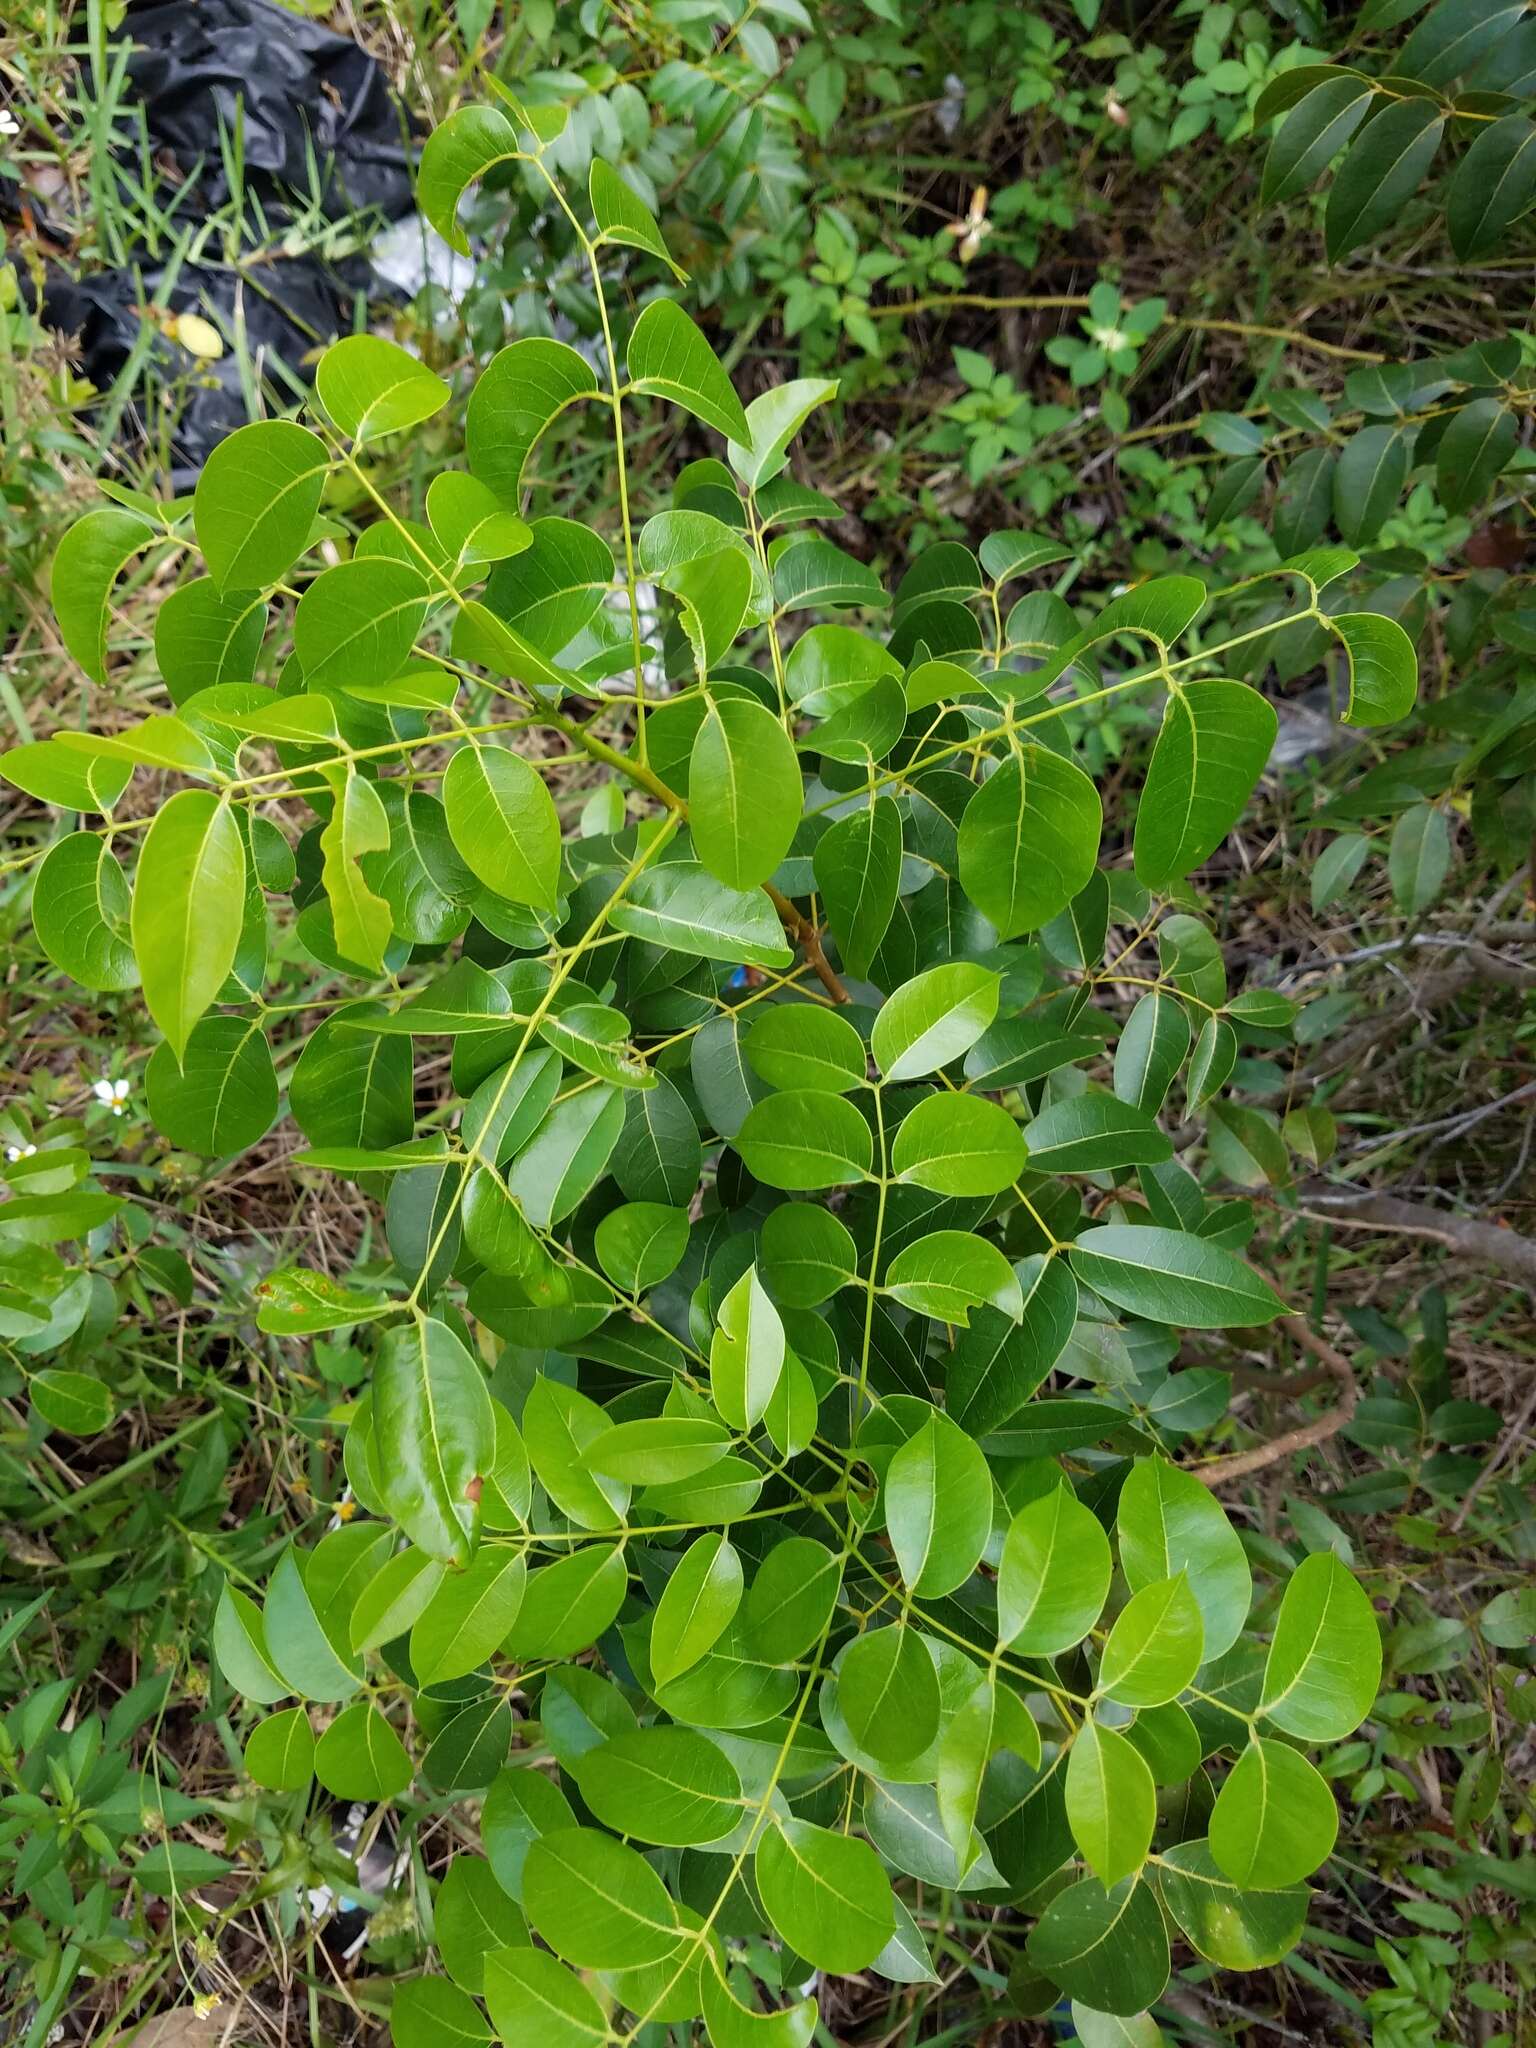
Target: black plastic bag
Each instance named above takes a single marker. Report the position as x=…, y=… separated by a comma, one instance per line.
x=310, y=98
x=318, y=113
x=287, y=310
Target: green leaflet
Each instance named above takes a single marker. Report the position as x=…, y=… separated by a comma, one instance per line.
x=715, y=592
x=1312, y=135
x=468, y=519
x=361, y=1757
x=205, y=637
x=857, y=867
x=938, y=1507
x=1105, y=1948
x=994, y=1718
x=1494, y=184
x=933, y=1020
x=223, y=1095
x=1151, y=1051
x=669, y=356
x=525, y=387
x=744, y=792
x=733, y=2025
x=997, y=1363
x=567, y=1154
x=503, y=823
x=696, y=1607
x=791, y=1598
x=1092, y=1133
x=468, y=1615
x=1215, y=739
x=639, y=1244
x=684, y=907
x=188, y=899
x=528, y=1993
x=357, y=622
x=1155, y=1647
x=358, y=826
x=1170, y=1525
x=1104, y=2030
x=663, y=1785
x=561, y=1428
x=310, y=1657
x=949, y=1273
x=1054, y=1575
x=57, y=775
x=888, y=1694
x=434, y=1431
x=1383, y=674
x=256, y=501
x=806, y=1139
x=596, y=1039
x=623, y=217
x=1111, y=1802
x=71, y=1401
x=1029, y=840
x=1170, y=1276
x=1233, y=1928
x=774, y=419
x=1474, y=448
x=1418, y=858
x=1367, y=481
x=795, y=1045
x=462, y=149
x=90, y=558
x=746, y=1354
x=393, y=1598
x=807, y=1254
x=280, y=1751
x=240, y=1645
x=1325, y=1656
x=1274, y=1820
x=429, y=2011
x=80, y=913
x=371, y=388
x=473, y=1920
x=568, y=1604
x=597, y=1904
x=825, y=1893
x=1383, y=167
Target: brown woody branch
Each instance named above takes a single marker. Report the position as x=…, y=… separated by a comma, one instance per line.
x=1489, y=1242
x=1305, y=1437
x=807, y=936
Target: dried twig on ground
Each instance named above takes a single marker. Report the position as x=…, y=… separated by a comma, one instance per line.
x=1220, y=1470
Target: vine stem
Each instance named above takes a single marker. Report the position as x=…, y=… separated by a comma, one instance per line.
x=589, y=250
x=562, y=972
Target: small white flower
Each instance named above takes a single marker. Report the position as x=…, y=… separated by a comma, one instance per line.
x=113, y=1093
x=9, y=125
x=15, y=1152
x=951, y=107
x=1109, y=339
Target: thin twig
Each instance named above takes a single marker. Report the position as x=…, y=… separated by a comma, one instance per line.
x=1049, y=302
x=1220, y=1470
x=1508, y=1444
